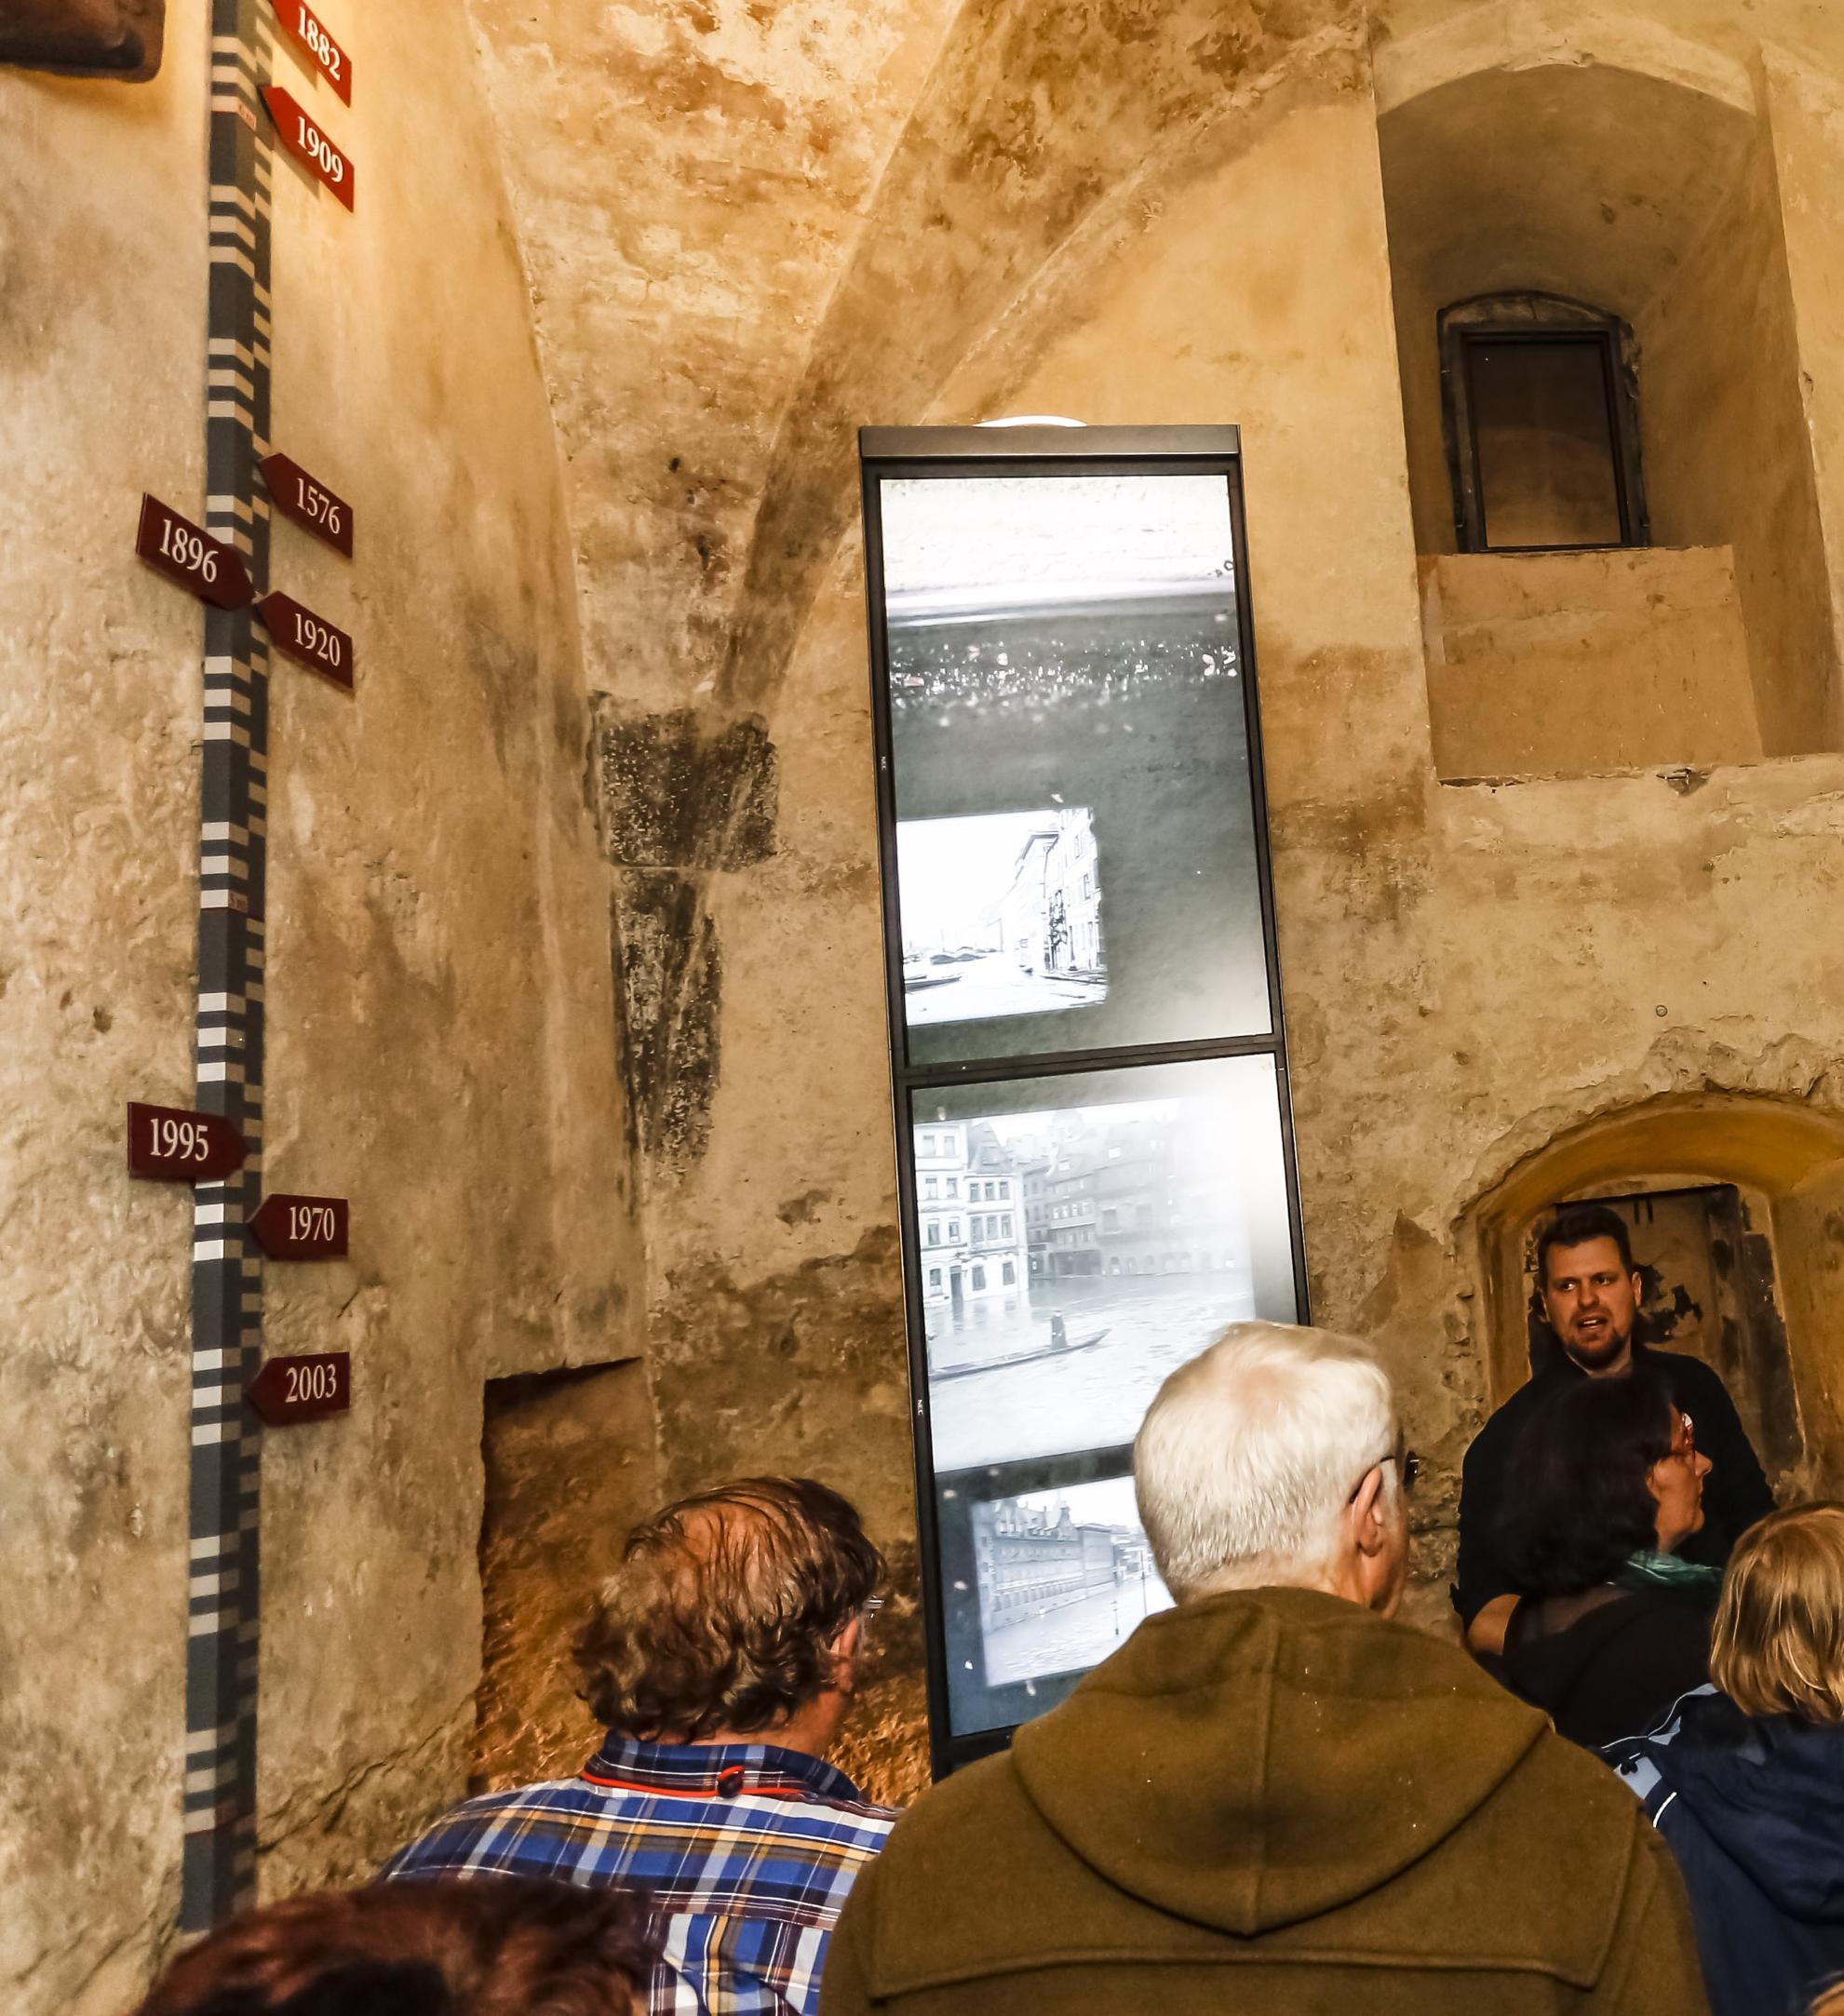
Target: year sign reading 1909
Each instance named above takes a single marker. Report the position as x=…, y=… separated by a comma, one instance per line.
x=290, y=1227
x=298, y=633
x=205, y=567
x=173, y=1146
x=310, y=31
x=296, y=495
x=309, y=145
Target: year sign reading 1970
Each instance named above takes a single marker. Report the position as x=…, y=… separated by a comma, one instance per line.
x=298, y=634
x=204, y=566
x=309, y=145
x=310, y=31
x=312, y=506
x=290, y=1227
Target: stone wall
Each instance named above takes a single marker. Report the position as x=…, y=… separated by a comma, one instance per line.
x=440, y=1001
x=621, y=1082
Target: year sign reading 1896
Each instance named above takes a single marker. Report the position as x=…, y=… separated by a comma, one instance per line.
x=207, y=567
x=310, y=31
x=305, y=1388
x=309, y=145
x=174, y=1145
x=298, y=633
x=296, y=495
x=290, y=1228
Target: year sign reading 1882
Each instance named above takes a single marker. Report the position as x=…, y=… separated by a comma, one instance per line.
x=299, y=633
x=296, y=495
x=306, y=1388
x=207, y=567
x=309, y=145
x=301, y=1228
x=310, y=31
x=176, y=1147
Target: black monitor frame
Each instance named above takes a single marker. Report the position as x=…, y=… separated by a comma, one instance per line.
x=947, y=454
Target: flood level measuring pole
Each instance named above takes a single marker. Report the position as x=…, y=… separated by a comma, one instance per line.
x=217, y=1145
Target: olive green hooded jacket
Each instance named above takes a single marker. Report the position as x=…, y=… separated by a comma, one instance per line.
x=1273, y=1802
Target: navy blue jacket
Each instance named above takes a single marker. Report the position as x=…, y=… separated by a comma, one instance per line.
x=1753, y=1813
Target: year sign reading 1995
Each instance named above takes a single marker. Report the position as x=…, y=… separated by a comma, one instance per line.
x=309, y=145
x=173, y=1146
x=296, y=495
x=298, y=633
x=175, y=546
x=310, y=31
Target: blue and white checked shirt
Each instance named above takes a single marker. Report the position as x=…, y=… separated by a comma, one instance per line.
x=747, y=1853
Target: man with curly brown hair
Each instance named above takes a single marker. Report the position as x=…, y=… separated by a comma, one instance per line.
x=721, y=1658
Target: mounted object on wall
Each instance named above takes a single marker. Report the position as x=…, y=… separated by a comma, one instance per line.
x=85, y=38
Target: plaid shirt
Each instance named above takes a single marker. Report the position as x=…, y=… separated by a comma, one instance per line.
x=745, y=1852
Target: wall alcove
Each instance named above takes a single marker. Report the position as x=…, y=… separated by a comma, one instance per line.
x=1776, y=1239
x=1655, y=195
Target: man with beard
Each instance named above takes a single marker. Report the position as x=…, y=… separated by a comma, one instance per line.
x=1589, y=1292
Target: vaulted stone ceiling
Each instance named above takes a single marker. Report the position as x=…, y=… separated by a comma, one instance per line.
x=752, y=225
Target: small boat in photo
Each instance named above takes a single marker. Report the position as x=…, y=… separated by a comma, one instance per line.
x=1018, y=1358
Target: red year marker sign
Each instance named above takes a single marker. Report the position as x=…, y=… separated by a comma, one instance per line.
x=173, y=1146
x=204, y=566
x=301, y=1228
x=309, y=145
x=301, y=21
x=296, y=495
x=298, y=633
x=306, y=1388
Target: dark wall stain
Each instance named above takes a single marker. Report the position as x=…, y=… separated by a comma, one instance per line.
x=671, y=792
x=668, y=992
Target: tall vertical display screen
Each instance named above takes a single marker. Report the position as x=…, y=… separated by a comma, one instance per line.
x=1095, y=1156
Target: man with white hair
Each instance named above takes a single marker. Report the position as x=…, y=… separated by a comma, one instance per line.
x=1273, y=1797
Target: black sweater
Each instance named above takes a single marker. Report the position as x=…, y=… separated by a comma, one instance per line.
x=1735, y=1492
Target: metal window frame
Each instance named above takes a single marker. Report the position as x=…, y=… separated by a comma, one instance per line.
x=1530, y=317
x=951, y=454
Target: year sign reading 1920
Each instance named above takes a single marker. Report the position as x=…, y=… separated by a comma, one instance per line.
x=310, y=31
x=296, y=495
x=298, y=633
x=309, y=145
x=205, y=567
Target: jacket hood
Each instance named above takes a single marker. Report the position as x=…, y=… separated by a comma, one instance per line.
x=1769, y=1792
x=1262, y=1757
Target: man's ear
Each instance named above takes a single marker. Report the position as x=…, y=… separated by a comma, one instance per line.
x=845, y=1649
x=1369, y=1528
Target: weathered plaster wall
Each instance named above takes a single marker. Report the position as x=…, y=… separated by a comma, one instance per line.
x=439, y=997
x=1518, y=647
x=1729, y=457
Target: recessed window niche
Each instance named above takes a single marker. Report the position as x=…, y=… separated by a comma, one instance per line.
x=1591, y=280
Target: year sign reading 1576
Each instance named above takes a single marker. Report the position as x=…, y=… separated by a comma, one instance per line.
x=309, y=145
x=296, y=495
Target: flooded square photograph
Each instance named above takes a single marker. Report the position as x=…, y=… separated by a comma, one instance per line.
x=1070, y=1259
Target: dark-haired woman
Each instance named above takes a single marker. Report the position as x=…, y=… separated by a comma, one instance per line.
x=1612, y=1627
